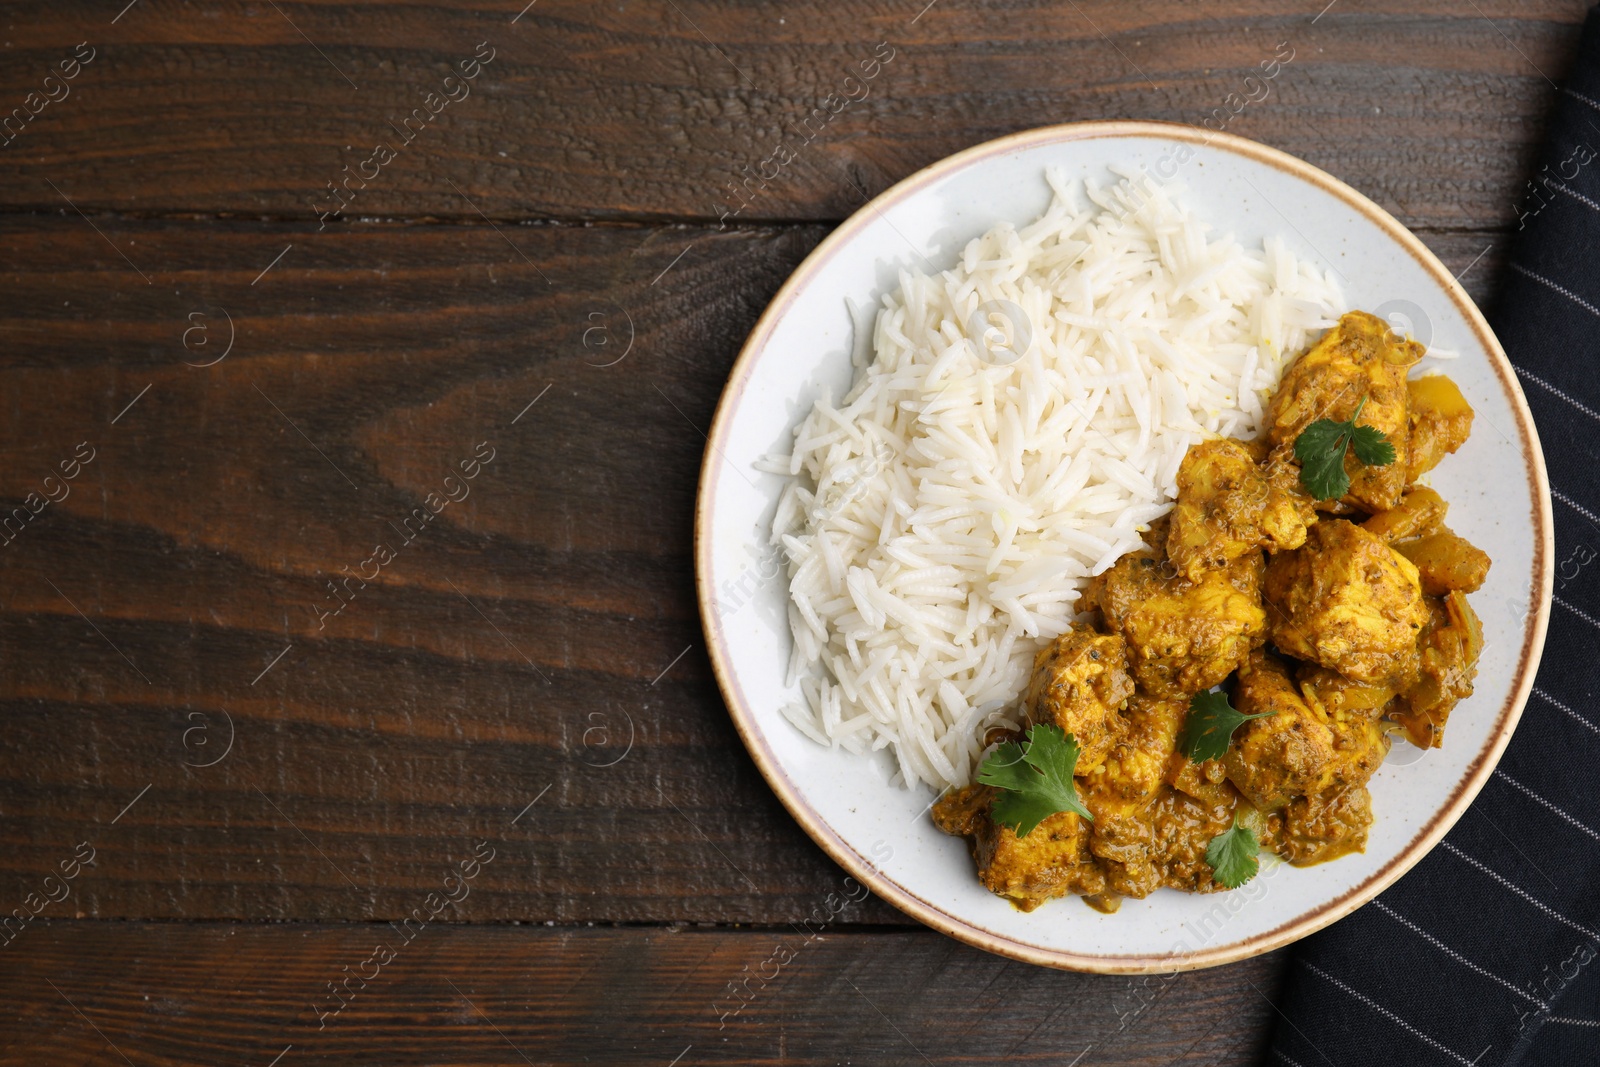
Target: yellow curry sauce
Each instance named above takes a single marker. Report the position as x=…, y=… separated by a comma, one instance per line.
x=1336, y=621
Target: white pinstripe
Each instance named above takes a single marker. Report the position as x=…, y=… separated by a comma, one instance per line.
x=1575, y=506
x=1386, y=1013
x=1579, y=197
x=1580, y=405
x=1524, y=894
x=1580, y=96
x=1531, y=795
x=1556, y=1019
x=1284, y=1058
x=1448, y=951
x=1553, y=702
x=1582, y=615
x=1568, y=293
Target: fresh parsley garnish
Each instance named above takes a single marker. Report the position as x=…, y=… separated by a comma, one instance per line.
x=1036, y=779
x=1210, y=725
x=1320, y=448
x=1232, y=855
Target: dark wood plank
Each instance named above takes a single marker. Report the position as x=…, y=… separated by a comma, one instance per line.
x=483, y=666
x=174, y=995
x=651, y=110
x=516, y=646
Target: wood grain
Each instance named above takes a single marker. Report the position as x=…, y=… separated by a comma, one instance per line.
x=175, y=995
x=651, y=110
x=537, y=640
x=516, y=710
x=515, y=645
x=521, y=643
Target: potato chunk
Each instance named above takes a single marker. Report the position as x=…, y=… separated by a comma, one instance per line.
x=1421, y=511
x=1446, y=563
x=1182, y=636
x=1226, y=507
x=1440, y=423
x=1451, y=645
x=1337, y=697
x=1080, y=682
x=1347, y=601
x=1358, y=360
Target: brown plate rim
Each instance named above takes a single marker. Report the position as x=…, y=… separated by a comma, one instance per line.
x=963, y=930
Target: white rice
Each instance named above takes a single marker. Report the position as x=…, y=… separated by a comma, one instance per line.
x=946, y=516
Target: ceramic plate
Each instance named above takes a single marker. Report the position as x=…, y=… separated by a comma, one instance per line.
x=881, y=833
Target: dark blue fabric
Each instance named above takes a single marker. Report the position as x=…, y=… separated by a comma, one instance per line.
x=1486, y=952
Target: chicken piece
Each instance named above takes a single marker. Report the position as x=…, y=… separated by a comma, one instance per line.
x=1359, y=360
x=960, y=812
x=1440, y=423
x=1119, y=791
x=1451, y=645
x=1282, y=471
x=1052, y=861
x=1124, y=783
x=1446, y=563
x=1182, y=827
x=1226, y=507
x=1347, y=601
x=1320, y=828
x=1206, y=781
x=1080, y=682
x=1307, y=766
x=1352, y=711
x=1360, y=744
x=1288, y=753
x=1420, y=512
x=1182, y=636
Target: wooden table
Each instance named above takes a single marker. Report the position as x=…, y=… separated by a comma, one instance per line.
x=259, y=745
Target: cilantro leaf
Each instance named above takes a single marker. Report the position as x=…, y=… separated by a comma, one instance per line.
x=1232, y=855
x=1035, y=779
x=1321, y=436
x=1370, y=446
x=1322, y=470
x=1210, y=726
x=1321, y=448
x=1006, y=768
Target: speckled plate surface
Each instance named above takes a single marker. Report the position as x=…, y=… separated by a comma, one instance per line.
x=881, y=833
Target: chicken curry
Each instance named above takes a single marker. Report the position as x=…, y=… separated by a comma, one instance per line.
x=1310, y=575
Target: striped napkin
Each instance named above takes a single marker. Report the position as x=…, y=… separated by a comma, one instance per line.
x=1488, y=952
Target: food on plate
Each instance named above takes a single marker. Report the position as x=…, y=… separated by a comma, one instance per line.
x=1335, y=602
x=1182, y=635
x=1117, y=539
x=1013, y=426
x=1440, y=421
x=1079, y=683
x=1228, y=506
x=1348, y=601
x=1355, y=371
x=1446, y=563
x=1451, y=644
